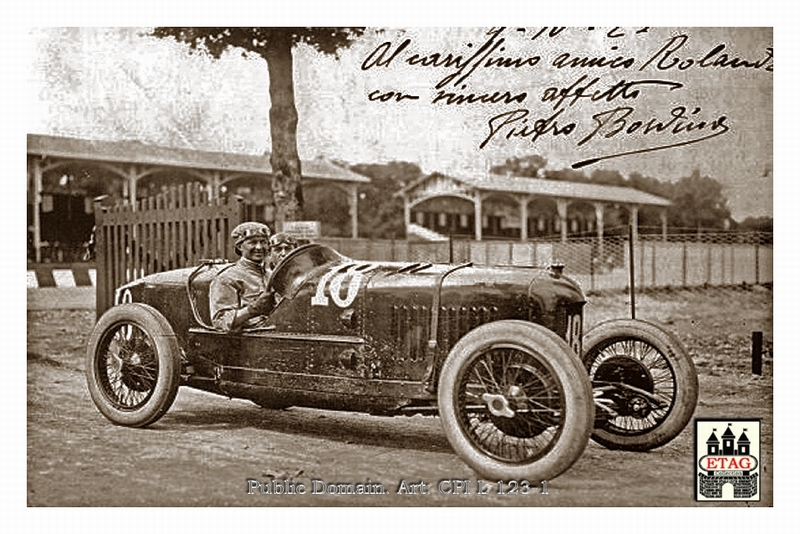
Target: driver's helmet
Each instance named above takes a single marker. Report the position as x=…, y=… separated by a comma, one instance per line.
x=249, y=229
x=246, y=230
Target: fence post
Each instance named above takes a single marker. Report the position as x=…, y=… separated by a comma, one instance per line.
x=450, y=243
x=101, y=259
x=641, y=261
x=685, y=250
x=632, y=271
x=758, y=344
x=758, y=281
x=653, y=267
x=733, y=262
x=722, y=264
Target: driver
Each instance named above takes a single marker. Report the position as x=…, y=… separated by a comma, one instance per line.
x=238, y=296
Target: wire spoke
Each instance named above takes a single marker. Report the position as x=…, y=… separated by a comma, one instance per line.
x=649, y=379
x=128, y=366
x=531, y=393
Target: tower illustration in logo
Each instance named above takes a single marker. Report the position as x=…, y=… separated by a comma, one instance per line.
x=727, y=467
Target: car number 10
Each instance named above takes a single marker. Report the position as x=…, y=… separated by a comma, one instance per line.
x=334, y=280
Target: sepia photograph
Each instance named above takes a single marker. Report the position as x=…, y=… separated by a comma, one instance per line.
x=399, y=266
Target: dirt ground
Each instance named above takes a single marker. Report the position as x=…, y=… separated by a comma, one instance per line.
x=202, y=452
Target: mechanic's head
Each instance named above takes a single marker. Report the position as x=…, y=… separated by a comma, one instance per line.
x=251, y=240
x=280, y=245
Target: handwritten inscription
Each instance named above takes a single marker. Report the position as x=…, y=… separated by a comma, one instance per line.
x=667, y=58
x=622, y=89
x=586, y=109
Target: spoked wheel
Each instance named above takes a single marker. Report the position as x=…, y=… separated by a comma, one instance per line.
x=515, y=402
x=645, y=385
x=133, y=365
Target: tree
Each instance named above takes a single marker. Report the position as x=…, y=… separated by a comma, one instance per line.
x=274, y=45
x=329, y=206
x=565, y=175
x=757, y=224
x=527, y=166
x=380, y=212
x=651, y=185
x=608, y=177
x=698, y=202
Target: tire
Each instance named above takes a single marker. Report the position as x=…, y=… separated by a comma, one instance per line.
x=644, y=356
x=133, y=365
x=272, y=404
x=506, y=366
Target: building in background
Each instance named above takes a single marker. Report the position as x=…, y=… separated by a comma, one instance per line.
x=517, y=208
x=66, y=174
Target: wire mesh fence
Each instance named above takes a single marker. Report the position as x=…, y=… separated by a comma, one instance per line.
x=657, y=261
x=678, y=276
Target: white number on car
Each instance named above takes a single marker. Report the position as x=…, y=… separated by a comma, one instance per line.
x=334, y=280
x=575, y=333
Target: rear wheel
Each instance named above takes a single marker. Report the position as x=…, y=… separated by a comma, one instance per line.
x=645, y=384
x=515, y=402
x=133, y=365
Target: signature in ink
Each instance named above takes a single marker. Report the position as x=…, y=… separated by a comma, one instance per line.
x=523, y=127
x=619, y=121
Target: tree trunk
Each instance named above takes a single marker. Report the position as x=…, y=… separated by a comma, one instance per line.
x=286, y=186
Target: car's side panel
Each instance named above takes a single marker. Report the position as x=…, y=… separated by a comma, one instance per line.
x=321, y=371
x=397, y=323
x=400, y=321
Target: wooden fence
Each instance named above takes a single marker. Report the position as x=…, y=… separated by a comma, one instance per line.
x=171, y=230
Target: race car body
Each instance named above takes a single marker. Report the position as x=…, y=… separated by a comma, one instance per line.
x=495, y=351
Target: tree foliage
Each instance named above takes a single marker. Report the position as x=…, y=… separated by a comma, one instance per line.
x=651, y=185
x=528, y=166
x=757, y=224
x=274, y=45
x=565, y=175
x=215, y=41
x=698, y=202
x=380, y=212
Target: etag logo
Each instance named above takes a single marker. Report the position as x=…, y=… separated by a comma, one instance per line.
x=727, y=460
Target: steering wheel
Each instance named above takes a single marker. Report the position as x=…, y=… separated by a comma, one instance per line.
x=280, y=281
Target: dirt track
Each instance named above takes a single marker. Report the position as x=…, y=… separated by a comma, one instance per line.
x=202, y=452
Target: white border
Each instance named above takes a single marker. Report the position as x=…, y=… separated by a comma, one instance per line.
x=18, y=17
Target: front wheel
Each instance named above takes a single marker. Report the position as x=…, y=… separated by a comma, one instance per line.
x=133, y=365
x=645, y=385
x=515, y=402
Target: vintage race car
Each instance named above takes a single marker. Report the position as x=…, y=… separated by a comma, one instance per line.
x=497, y=352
